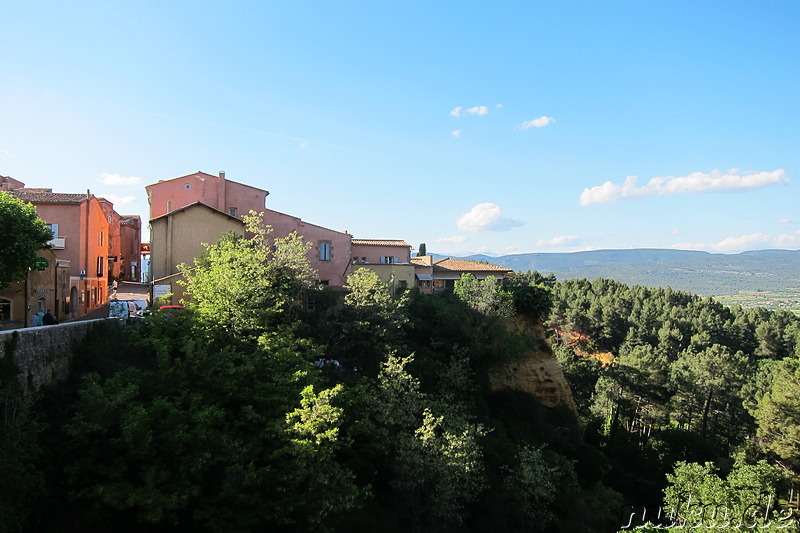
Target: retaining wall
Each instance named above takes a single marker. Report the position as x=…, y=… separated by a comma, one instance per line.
x=44, y=353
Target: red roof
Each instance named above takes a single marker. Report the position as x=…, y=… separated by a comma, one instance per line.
x=47, y=196
x=449, y=264
x=380, y=242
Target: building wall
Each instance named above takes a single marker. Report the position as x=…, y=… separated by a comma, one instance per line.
x=372, y=253
x=46, y=289
x=114, y=249
x=397, y=276
x=130, y=243
x=80, y=225
x=333, y=270
x=178, y=237
x=213, y=191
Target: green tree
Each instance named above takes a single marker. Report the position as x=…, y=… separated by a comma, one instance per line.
x=778, y=414
x=423, y=251
x=747, y=498
x=23, y=234
x=486, y=297
x=250, y=284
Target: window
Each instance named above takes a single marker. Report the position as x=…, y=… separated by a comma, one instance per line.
x=53, y=228
x=5, y=309
x=100, y=239
x=388, y=259
x=100, y=264
x=324, y=251
x=232, y=211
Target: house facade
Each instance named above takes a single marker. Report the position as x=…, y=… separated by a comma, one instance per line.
x=389, y=258
x=230, y=197
x=444, y=272
x=45, y=288
x=130, y=231
x=80, y=237
x=330, y=252
x=177, y=237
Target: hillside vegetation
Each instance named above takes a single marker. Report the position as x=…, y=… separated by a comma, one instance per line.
x=382, y=412
x=697, y=272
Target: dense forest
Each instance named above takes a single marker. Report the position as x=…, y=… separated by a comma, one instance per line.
x=277, y=405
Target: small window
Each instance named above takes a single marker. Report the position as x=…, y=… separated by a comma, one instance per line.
x=187, y=186
x=232, y=211
x=324, y=251
x=54, y=230
x=388, y=259
x=100, y=239
x=100, y=264
x=5, y=309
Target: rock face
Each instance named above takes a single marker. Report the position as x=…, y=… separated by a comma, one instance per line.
x=538, y=374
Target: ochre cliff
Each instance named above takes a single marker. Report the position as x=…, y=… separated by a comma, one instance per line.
x=539, y=373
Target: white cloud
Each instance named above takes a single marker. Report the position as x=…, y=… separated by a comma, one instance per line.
x=485, y=217
x=479, y=110
x=563, y=240
x=117, y=179
x=456, y=111
x=674, y=231
x=540, y=122
x=753, y=241
x=714, y=181
x=304, y=145
x=458, y=239
x=498, y=106
x=120, y=200
x=786, y=221
x=456, y=133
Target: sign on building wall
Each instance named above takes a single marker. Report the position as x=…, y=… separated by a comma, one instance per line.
x=144, y=248
x=161, y=290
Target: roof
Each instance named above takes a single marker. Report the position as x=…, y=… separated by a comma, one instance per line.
x=196, y=204
x=449, y=264
x=380, y=242
x=47, y=196
x=203, y=175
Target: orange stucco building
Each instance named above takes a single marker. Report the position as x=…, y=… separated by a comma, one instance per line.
x=87, y=242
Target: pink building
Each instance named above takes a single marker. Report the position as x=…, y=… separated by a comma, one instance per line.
x=80, y=239
x=230, y=197
x=330, y=252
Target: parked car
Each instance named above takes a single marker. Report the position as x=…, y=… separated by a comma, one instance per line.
x=122, y=309
x=170, y=311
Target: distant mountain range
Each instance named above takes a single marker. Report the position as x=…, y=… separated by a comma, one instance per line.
x=697, y=272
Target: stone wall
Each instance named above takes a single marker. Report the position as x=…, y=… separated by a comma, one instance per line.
x=44, y=353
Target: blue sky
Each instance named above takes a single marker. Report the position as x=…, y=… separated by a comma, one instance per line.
x=495, y=127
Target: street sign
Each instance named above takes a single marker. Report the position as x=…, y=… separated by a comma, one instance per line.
x=41, y=263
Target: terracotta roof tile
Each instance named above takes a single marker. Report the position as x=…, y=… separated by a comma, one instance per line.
x=380, y=242
x=450, y=264
x=46, y=196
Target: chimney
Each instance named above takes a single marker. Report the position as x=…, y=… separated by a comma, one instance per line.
x=221, y=195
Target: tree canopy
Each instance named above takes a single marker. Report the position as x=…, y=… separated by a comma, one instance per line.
x=23, y=234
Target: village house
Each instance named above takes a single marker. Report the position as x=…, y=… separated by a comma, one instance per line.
x=329, y=255
x=87, y=246
x=444, y=272
x=389, y=258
